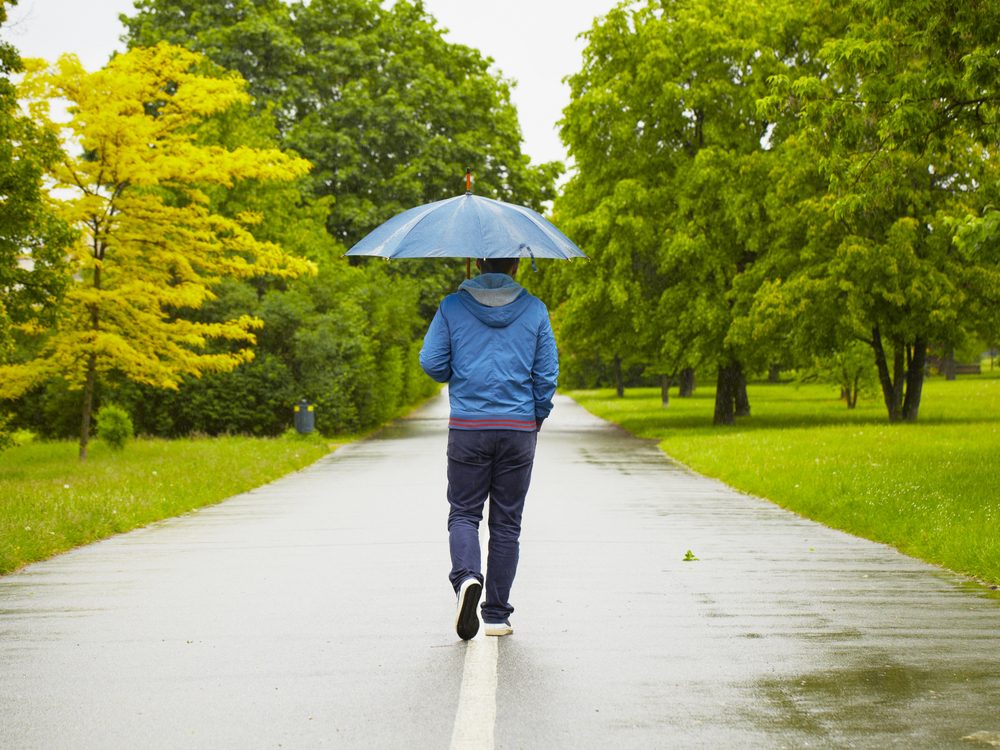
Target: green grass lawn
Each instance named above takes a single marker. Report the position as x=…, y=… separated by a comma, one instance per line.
x=50, y=501
x=929, y=489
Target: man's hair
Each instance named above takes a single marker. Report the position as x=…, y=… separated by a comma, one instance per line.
x=498, y=265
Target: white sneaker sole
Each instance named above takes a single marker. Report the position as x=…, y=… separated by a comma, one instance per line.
x=497, y=630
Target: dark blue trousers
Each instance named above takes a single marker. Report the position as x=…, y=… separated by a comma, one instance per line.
x=494, y=464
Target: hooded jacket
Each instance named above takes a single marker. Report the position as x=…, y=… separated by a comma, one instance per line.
x=492, y=343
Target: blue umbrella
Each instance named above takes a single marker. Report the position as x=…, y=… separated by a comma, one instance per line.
x=467, y=226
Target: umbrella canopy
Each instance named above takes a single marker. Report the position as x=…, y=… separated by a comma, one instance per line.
x=467, y=226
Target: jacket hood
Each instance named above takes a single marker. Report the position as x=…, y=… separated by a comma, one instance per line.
x=494, y=298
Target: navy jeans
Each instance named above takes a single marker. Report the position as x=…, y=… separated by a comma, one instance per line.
x=494, y=464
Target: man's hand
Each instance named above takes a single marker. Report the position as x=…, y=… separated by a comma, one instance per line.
x=538, y=423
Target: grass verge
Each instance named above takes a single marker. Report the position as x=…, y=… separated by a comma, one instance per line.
x=929, y=489
x=50, y=501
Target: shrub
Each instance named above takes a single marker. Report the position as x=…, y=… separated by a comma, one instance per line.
x=114, y=426
x=23, y=437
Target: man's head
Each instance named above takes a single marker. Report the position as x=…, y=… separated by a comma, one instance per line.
x=497, y=265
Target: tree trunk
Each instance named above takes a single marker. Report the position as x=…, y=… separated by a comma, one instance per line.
x=915, y=380
x=948, y=365
x=619, y=382
x=88, y=390
x=725, y=394
x=742, y=400
x=892, y=389
x=88, y=405
x=666, y=381
x=852, y=392
x=884, y=379
x=774, y=374
x=902, y=388
x=687, y=383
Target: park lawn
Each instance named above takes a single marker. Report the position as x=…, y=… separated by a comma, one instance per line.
x=50, y=501
x=929, y=489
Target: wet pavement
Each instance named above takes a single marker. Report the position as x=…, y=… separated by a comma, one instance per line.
x=316, y=612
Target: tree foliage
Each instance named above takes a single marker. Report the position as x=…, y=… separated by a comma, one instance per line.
x=764, y=183
x=389, y=112
x=390, y=115
x=669, y=149
x=151, y=246
x=32, y=239
x=899, y=131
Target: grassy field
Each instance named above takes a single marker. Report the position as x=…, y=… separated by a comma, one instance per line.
x=51, y=502
x=929, y=489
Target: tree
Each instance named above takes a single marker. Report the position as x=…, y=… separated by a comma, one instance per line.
x=892, y=133
x=851, y=369
x=391, y=115
x=32, y=239
x=605, y=298
x=389, y=112
x=671, y=150
x=151, y=248
x=255, y=38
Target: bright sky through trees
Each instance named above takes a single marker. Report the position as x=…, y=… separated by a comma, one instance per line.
x=531, y=42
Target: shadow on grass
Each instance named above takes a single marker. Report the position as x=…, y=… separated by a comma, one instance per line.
x=773, y=407
x=652, y=425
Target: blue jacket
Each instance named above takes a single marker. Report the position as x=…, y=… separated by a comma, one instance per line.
x=492, y=343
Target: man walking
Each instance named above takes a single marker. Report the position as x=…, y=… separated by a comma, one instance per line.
x=492, y=343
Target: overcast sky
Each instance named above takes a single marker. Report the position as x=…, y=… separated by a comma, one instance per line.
x=531, y=41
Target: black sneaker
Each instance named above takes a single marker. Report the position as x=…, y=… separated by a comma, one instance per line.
x=467, y=615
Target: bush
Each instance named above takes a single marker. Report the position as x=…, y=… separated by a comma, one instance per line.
x=23, y=437
x=114, y=426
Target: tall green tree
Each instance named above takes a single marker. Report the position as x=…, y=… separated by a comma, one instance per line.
x=898, y=138
x=33, y=240
x=389, y=112
x=255, y=38
x=670, y=150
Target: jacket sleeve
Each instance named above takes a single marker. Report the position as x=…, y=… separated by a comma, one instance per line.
x=545, y=370
x=435, y=355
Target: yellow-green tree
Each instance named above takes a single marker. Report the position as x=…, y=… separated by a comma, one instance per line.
x=151, y=248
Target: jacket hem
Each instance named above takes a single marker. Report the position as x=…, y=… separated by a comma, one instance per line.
x=492, y=423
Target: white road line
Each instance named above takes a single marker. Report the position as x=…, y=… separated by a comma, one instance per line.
x=477, y=699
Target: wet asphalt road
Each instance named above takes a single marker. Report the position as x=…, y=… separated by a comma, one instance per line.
x=316, y=612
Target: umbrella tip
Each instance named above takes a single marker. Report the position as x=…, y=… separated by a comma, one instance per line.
x=468, y=180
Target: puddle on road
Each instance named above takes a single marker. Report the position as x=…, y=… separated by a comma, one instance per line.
x=629, y=462
x=988, y=739
x=982, y=590
x=878, y=702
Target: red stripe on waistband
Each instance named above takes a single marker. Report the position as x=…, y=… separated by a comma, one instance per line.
x=525, y=423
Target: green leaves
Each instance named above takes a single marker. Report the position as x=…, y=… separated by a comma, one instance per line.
x=388, y=112
x=886, y=121
x=811, y=175
x=670, y=148
x=33, y=240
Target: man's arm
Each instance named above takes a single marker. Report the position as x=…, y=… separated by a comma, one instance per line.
x=545, y=370
x=435, y=355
